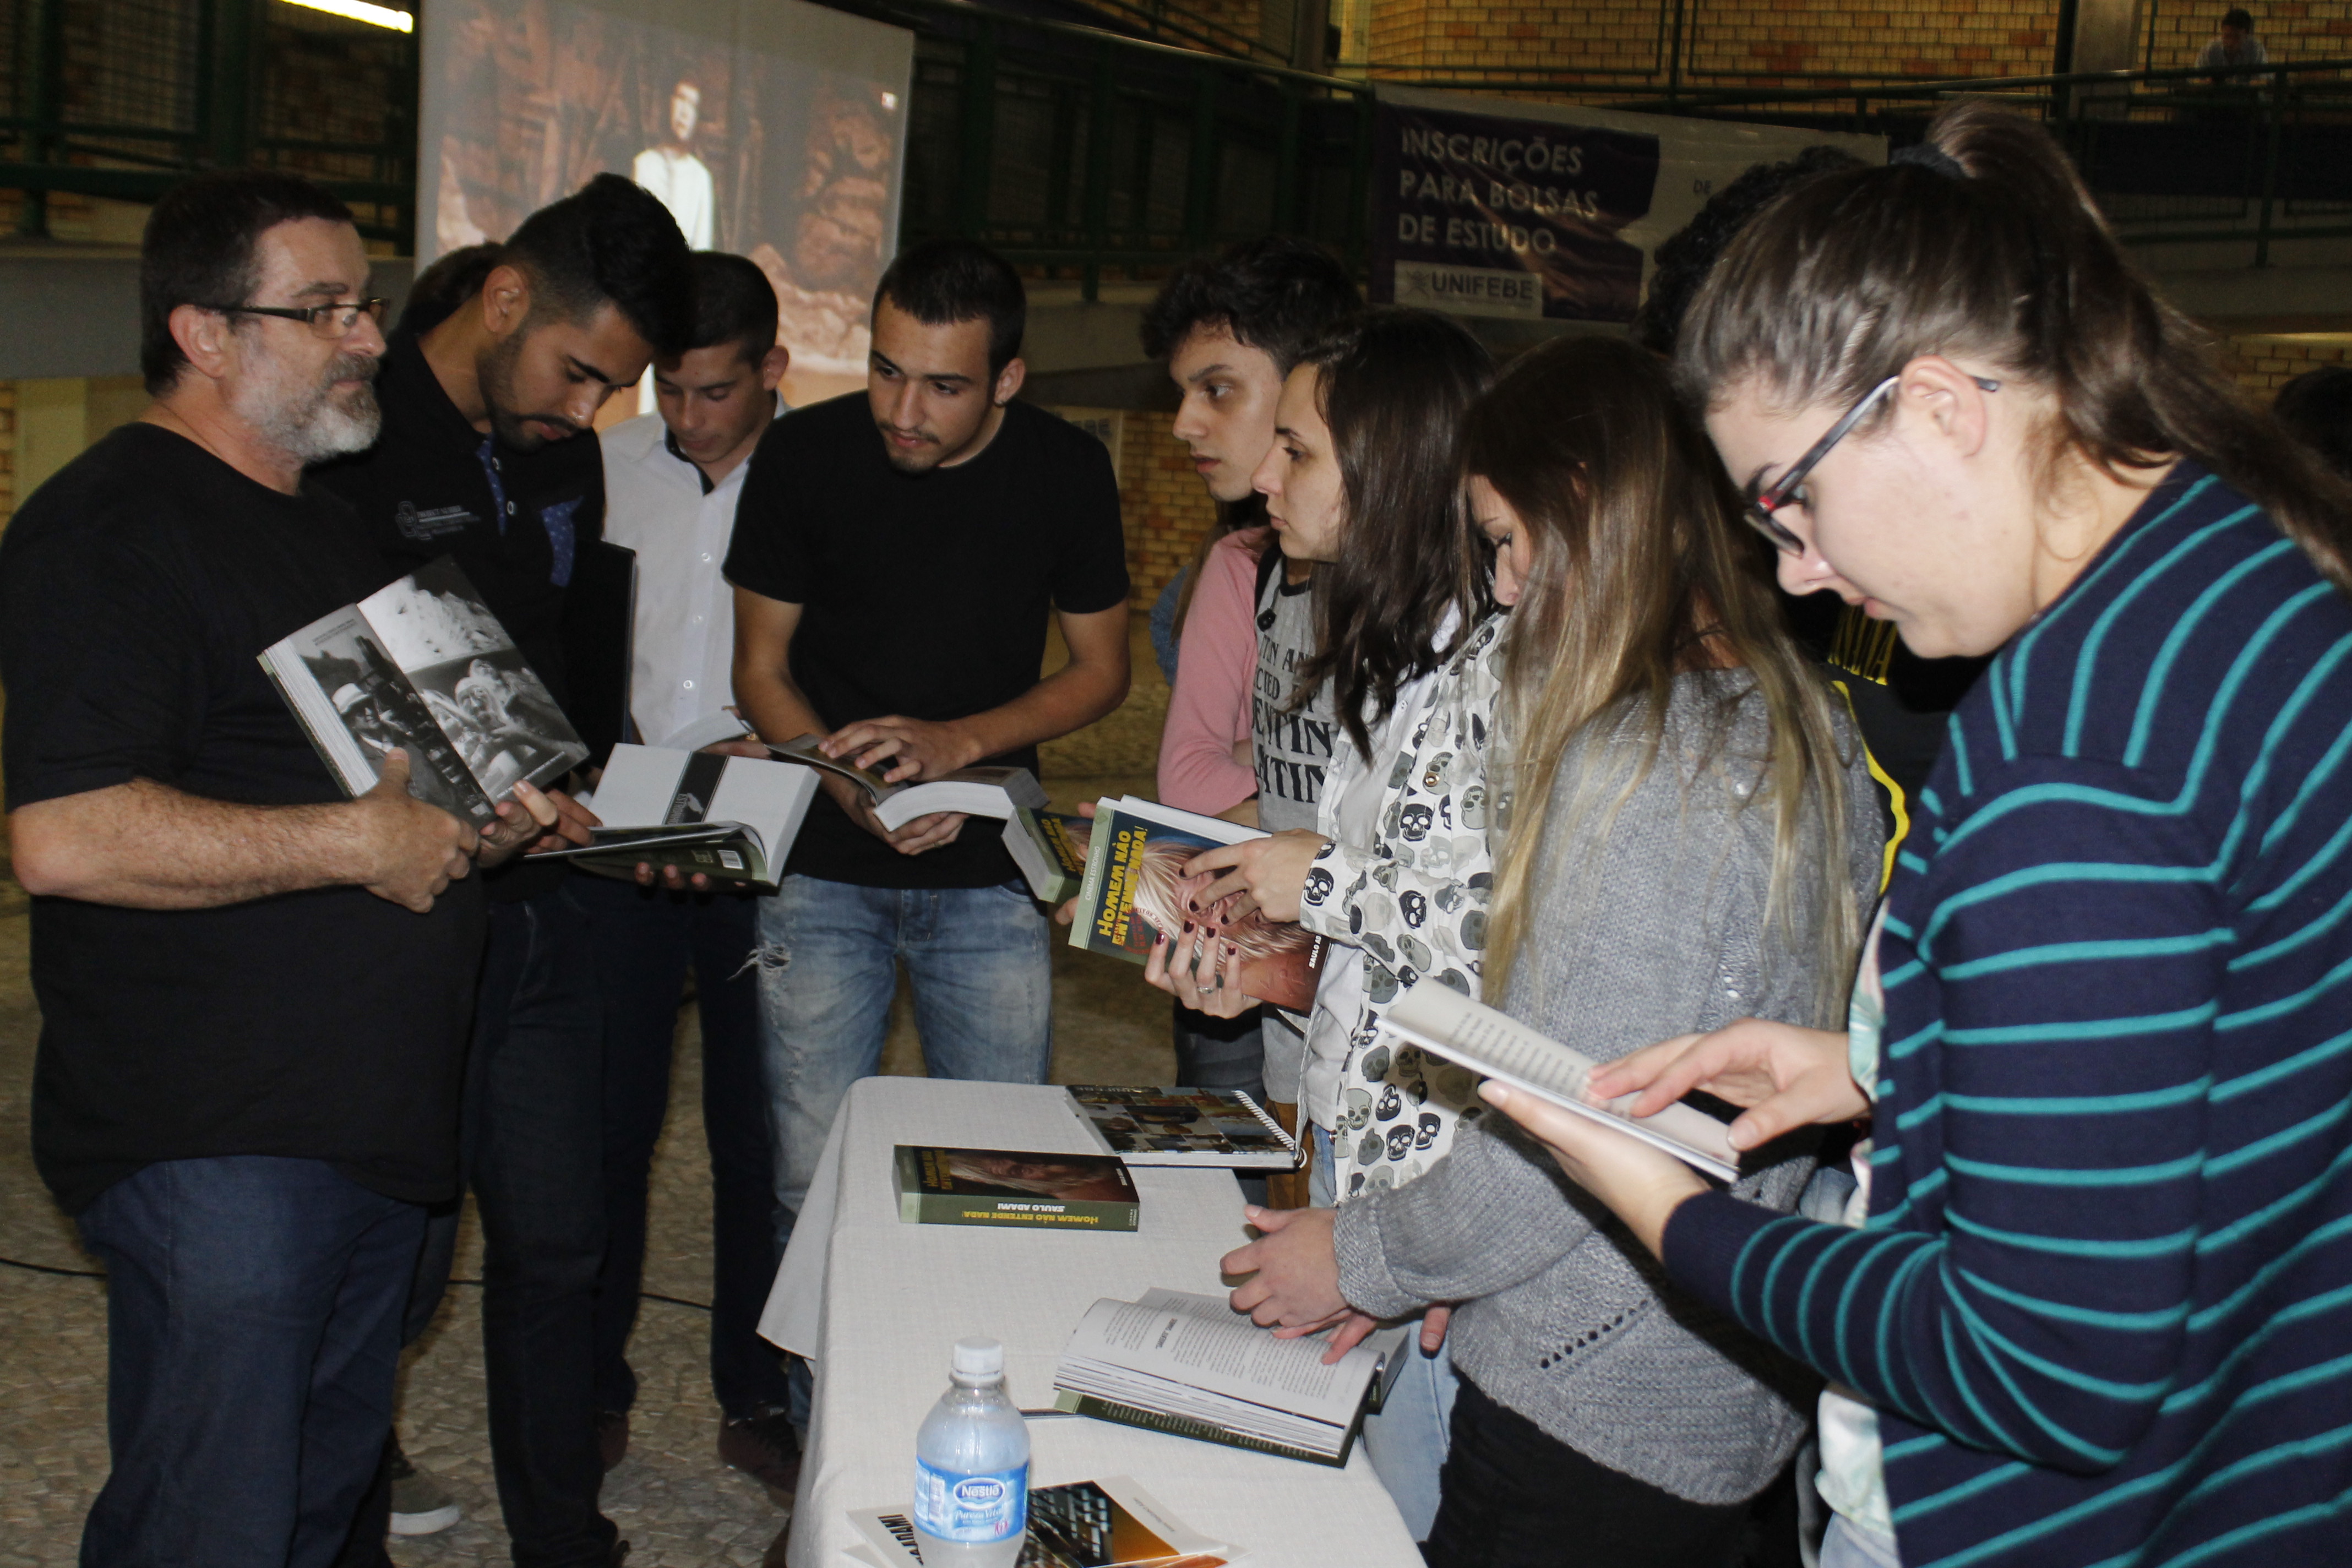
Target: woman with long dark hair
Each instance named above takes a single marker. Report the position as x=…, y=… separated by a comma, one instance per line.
x=1363, y=481
x=2099, y=1308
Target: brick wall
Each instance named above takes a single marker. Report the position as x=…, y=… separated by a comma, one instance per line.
x=1160, y=499
x=1946, y=37
x=1757, y=39
x=1760, y=41
x=2261, y=365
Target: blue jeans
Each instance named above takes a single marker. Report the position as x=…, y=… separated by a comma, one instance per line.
x=1407, y=1441
x=646, y=944
x=982, y=963
x=253, y=1332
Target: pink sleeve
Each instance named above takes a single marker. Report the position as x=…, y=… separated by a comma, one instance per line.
x=1209, y=711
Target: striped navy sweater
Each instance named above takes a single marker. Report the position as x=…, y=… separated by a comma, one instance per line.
x=2104, y=1298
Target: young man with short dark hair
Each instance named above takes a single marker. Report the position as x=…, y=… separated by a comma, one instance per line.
x=896, y=559
x=490, y=389
x=253, y=991
x=671, y=482
x=1229, y=327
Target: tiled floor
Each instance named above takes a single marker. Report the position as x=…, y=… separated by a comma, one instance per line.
x=670, y=1497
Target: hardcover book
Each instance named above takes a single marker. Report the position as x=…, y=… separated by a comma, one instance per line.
x=1006, y=1187
x=1135, y=889
x=732, y=819
x=1207, y=1127
x=977, y=791
x=423, y=667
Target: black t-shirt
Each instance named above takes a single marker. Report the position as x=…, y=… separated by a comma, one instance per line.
x=514, y=522
x=922, y=594
x=137, y=588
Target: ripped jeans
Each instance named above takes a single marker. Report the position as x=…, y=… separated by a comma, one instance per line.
x=980, y=959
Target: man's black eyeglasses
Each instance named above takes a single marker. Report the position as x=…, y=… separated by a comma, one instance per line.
x=328, y=321
x=1780, y=491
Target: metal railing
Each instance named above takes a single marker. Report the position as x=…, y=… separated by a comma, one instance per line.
x=1074, y=151
x=123, y=97
x=1085, y=154
x=2257, y=154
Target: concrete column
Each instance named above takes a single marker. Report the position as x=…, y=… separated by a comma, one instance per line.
x=2106, y=34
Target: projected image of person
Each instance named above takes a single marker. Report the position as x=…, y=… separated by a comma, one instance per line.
x=776, y=137
x=674, y=175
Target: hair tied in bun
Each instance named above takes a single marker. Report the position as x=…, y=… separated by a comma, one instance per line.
x=1927, y=155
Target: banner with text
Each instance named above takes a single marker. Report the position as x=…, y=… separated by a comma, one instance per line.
x=1547, y=211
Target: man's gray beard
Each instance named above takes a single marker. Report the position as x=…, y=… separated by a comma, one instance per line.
x=311, y=425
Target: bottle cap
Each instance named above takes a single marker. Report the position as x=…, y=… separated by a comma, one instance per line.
x=978, y=1358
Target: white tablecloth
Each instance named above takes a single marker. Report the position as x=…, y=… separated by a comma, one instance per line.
x=877, y=1305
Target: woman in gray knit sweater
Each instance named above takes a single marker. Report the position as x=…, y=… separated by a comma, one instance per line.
x=1690, y=838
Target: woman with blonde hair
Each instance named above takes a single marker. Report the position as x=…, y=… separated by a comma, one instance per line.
x=1687, y=836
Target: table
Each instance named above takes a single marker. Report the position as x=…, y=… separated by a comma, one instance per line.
x=875, y=1306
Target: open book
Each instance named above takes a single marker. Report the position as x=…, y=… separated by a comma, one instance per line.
x=1215, y=1127
x=1135, y=889
x=423, y=667
x=1443, y=1021
x=730, y=818
x=977, y=792
x=1193, y=1366
x=1108, y=1523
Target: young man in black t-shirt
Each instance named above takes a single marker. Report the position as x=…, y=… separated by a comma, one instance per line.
x=253, y=992
x=489, y=455
x=896, y=559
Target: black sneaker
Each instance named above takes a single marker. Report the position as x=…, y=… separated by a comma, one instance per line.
x=421, y=1505
x=765, y=1447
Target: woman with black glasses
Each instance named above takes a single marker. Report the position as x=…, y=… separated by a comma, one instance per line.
x=2099, y=1308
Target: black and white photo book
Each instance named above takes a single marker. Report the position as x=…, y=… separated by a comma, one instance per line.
x=422, y=666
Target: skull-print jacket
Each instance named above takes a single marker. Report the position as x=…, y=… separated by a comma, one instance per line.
x=1412, y=903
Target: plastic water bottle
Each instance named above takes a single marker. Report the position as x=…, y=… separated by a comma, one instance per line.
x=972, y=1468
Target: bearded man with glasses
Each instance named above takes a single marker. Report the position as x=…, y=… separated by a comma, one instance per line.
x=253, y=992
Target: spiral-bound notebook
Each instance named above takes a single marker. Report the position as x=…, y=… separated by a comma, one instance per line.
x=1213, y=1127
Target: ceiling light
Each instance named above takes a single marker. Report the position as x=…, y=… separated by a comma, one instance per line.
x=360, y=10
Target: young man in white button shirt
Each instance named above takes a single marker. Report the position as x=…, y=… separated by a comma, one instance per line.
x=670, y=483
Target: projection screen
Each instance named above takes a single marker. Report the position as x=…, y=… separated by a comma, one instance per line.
x=769, y=128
